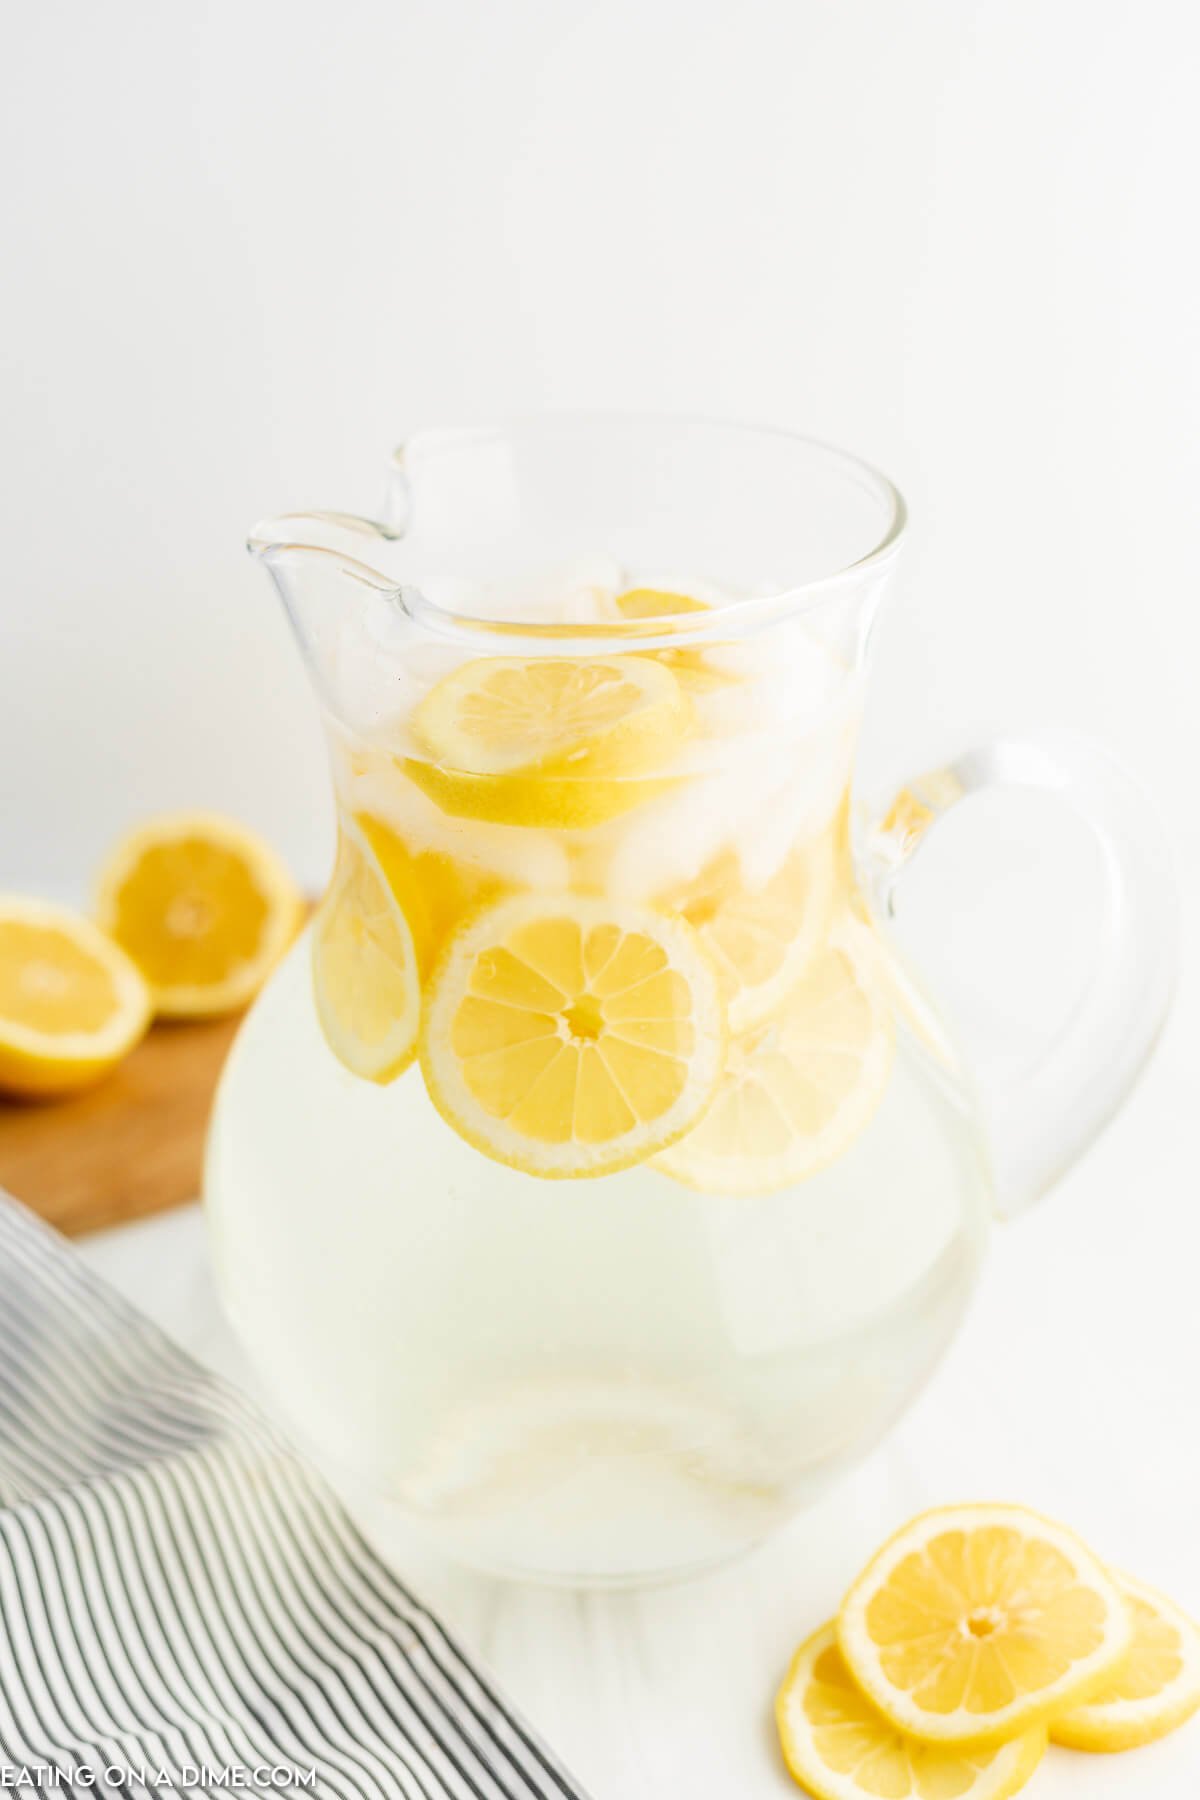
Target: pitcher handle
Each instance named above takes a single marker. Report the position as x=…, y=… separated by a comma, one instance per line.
x=1040, y=1124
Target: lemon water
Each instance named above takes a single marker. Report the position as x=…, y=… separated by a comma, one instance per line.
x=592, y=1381
x=591, y=1183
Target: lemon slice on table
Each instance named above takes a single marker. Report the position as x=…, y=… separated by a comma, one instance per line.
x=839, y=1747
x=761, y=939
x=976, y=1623
x=799, y=1088
x=551, y=741
x=204, y=908
x=1155, y=1688
x=366, y=970
x=71, y=1002
x=571, y=1036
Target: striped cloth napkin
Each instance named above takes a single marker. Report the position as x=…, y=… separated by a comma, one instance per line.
x=184, y=1604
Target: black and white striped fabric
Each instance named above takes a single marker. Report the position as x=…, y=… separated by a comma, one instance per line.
x=184, y=1604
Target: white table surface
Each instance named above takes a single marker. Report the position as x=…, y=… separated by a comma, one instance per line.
x=1072, y=1388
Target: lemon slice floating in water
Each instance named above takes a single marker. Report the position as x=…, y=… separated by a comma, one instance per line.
x=552, y=741
x=571, y=1036
x=366, y=974
x=696, y=673
x=798, y=1088
x=761, y=938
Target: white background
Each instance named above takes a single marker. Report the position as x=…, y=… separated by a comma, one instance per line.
x=249, y=246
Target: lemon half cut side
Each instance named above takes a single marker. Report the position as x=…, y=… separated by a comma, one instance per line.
x=203, y=906
x=72, y=1004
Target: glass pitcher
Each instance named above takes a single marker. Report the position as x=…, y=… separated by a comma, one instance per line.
x=593, y=1182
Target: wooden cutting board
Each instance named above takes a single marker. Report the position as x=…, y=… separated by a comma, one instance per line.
x=133, y=1145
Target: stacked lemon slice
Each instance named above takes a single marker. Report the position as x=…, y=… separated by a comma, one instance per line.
x=977, y=1634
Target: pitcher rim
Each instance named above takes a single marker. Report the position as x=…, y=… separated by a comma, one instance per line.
x=280, y=535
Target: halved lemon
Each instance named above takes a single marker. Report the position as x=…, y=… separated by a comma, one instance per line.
x=72, y=1004
x=976, y=1623
x=366, y=973
x=761, y=939
x=839, y=1747
x=571, y=1036
x=551, y=741
x=203, y=906
x=1155, y=1688
x=799, y=1088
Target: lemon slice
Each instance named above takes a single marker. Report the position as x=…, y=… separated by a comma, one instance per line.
x=539, y=802
x=71, y=1003
x=571, y=1036
x=204, y=908
x=839, y=1747
x=692, y=669
x=975, y=1623
x=1156, y=1687
x=761, y=939
x=434, y=890
x=657, y=603
x=604, y=715
x=366, y=977
x=798, y=1089
x=550, y=741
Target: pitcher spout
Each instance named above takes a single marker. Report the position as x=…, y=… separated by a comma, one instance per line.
x=325, y=567
x=584, y=537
